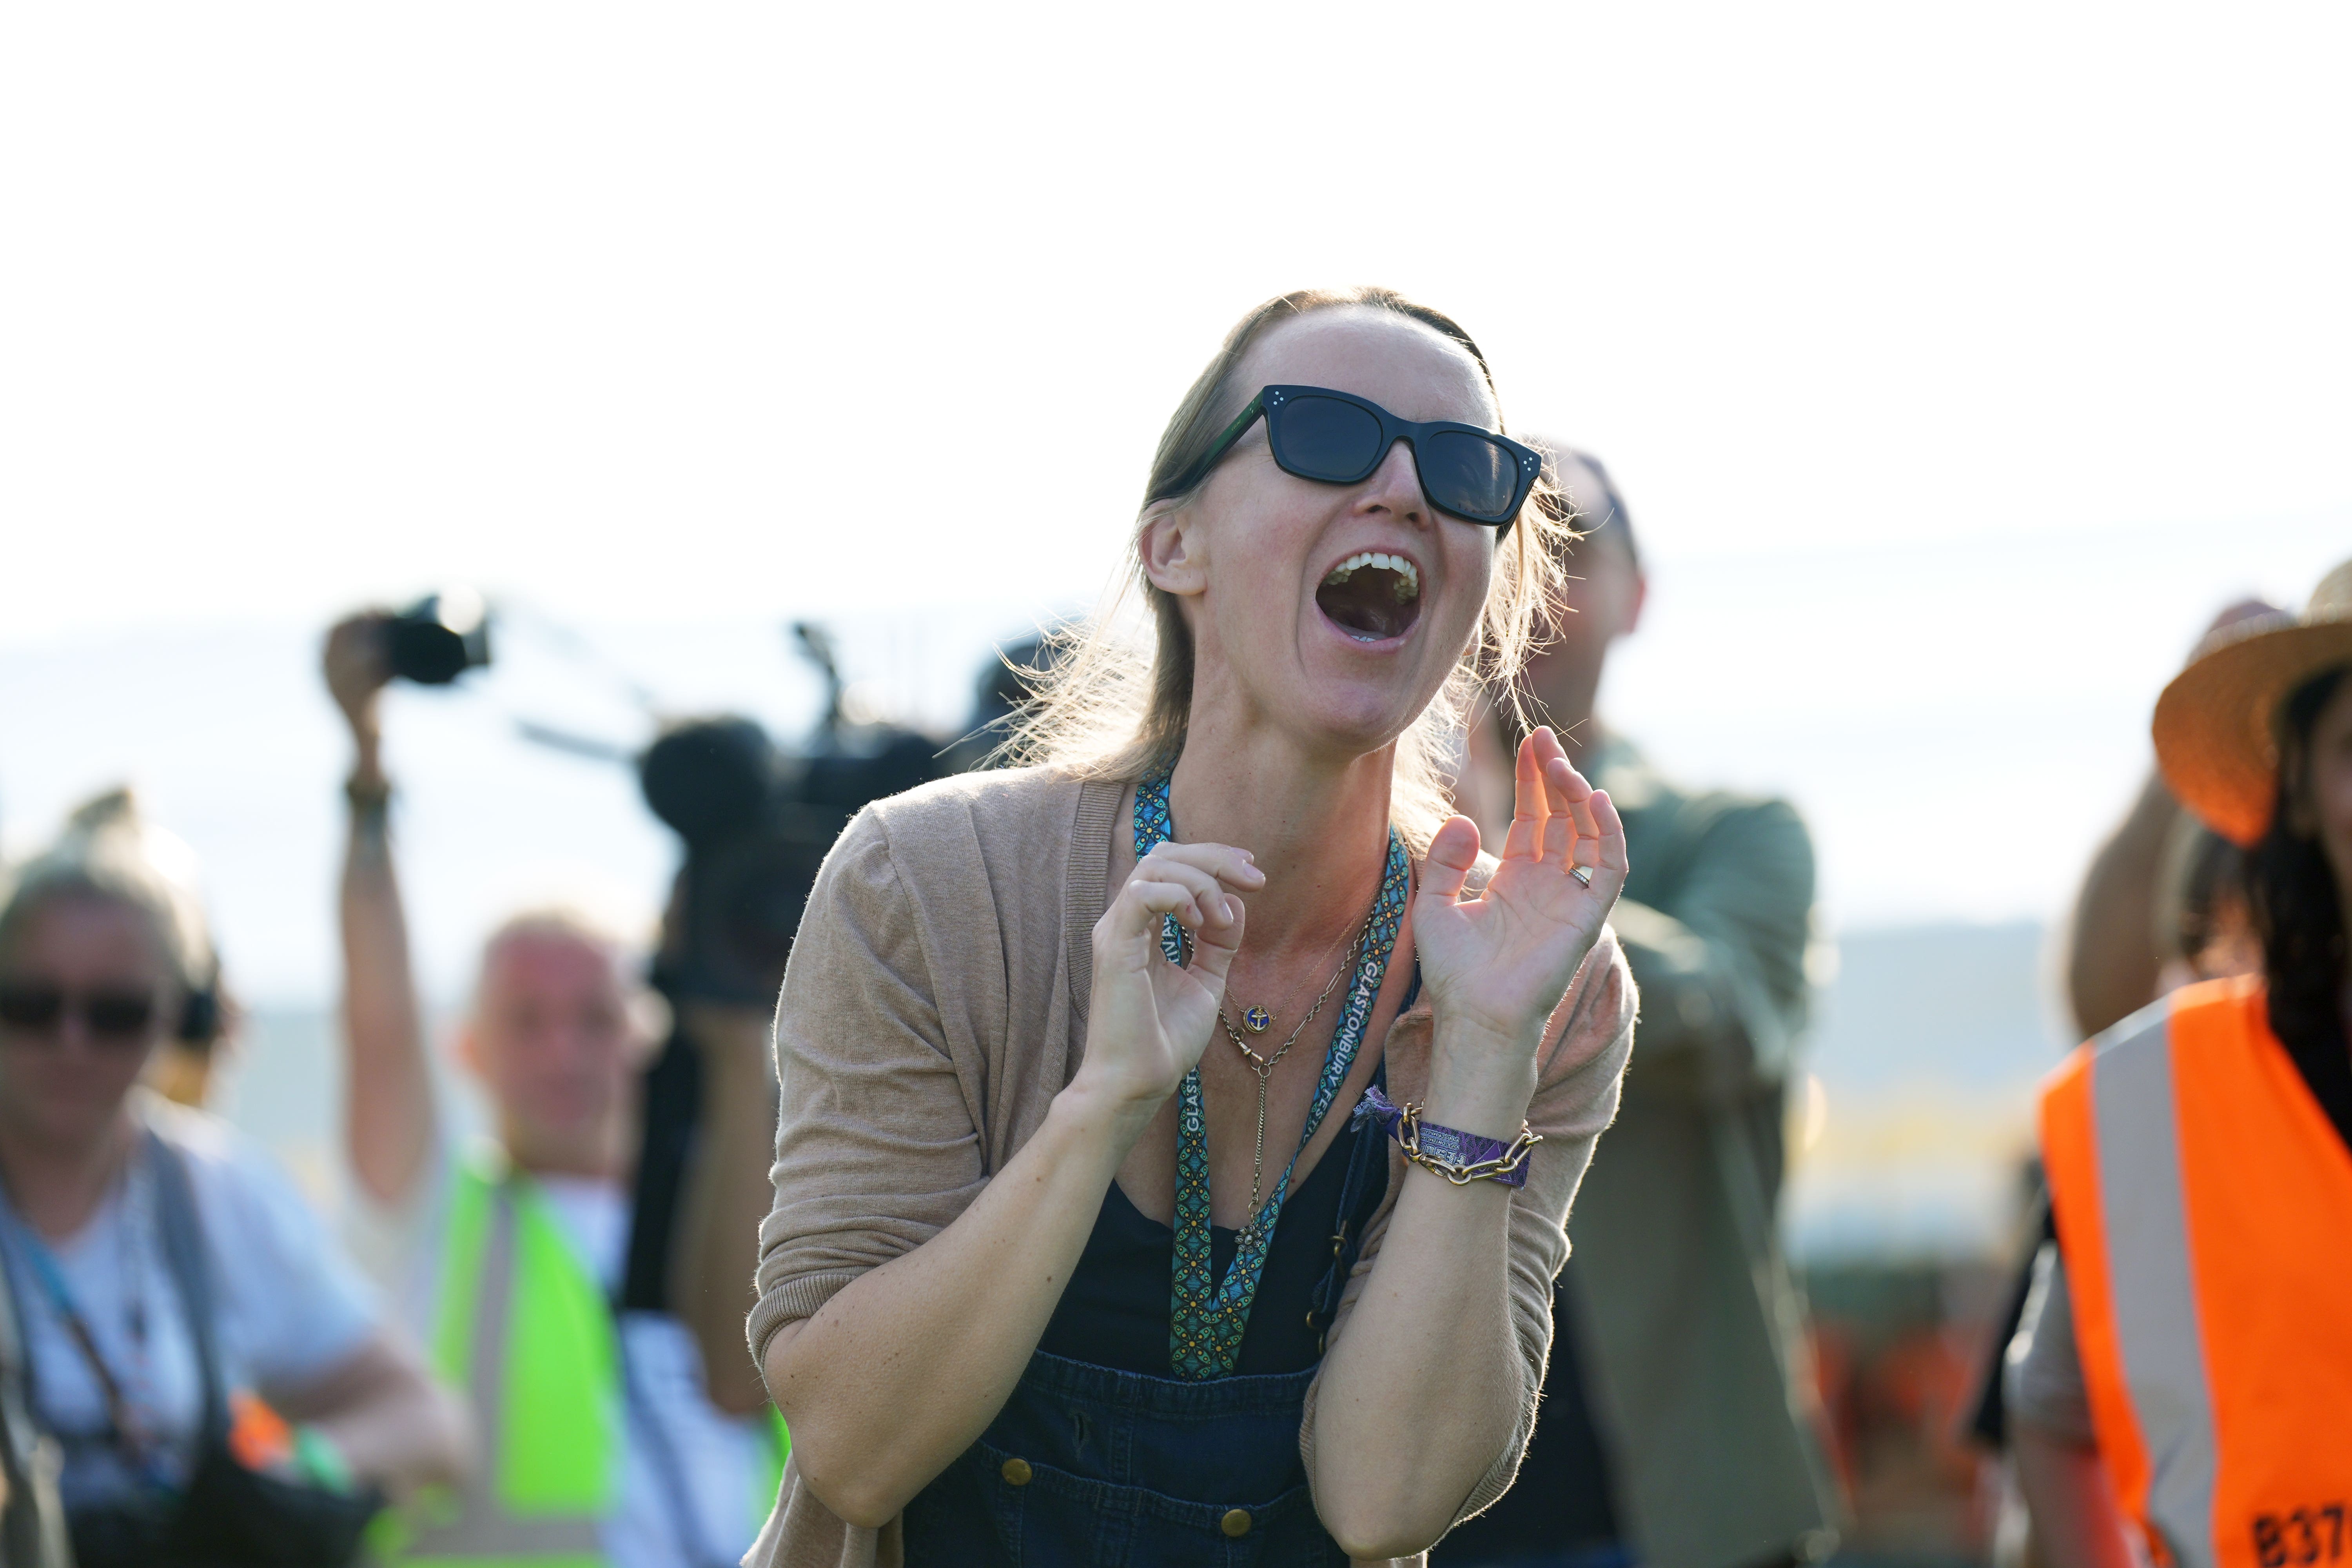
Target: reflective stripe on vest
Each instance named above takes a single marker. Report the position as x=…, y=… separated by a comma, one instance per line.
x=521, y=1330
x=2204, y=1206
x=771, y=1490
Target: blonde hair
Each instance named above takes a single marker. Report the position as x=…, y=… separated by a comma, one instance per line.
x=1110, y=707
x=109, y=850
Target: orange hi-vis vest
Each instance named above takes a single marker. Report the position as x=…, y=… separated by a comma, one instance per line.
x=2204, y=1207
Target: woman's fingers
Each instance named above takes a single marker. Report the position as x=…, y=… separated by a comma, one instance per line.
x=1143, y=903
x=1568, y=820
x=1524, y=841
x=1571, y=802
x=1228, y=864
x=1609, y=835
x=1211, y=896
x=1214, y=945
x=1200, y=885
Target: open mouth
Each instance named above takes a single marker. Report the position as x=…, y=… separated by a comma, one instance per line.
x=1372, y=596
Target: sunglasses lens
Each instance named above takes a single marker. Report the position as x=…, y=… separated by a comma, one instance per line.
x=1469, y=475
x=118, y=1015
x=1324, y=439
x=31, y=1006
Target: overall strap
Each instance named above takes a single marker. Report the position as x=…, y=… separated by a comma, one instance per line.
x=190, y=1264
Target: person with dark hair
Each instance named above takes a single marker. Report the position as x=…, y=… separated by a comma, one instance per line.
x=1011, y=676
x=2184, y=1364
x=180, y=1305
x=1176, y=1131
x=2123, y=937
x=1677, y=1426
x=2164, y=903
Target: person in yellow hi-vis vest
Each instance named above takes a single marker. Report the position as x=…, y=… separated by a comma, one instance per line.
x=2183, y=1370
x=600, y=1436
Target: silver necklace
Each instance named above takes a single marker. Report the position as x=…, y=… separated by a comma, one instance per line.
x=1263, y=1065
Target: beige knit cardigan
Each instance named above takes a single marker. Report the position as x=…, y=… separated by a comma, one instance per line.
x=936, y=1003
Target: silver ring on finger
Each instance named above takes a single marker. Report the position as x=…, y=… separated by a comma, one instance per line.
x=1582, y=874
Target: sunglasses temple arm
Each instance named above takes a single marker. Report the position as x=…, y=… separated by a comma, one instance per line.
x=1218, y=448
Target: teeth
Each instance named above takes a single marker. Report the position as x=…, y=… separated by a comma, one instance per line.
x=1408, y=586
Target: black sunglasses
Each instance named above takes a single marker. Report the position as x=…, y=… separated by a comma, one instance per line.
x=112, y=1017
x=1338, y=438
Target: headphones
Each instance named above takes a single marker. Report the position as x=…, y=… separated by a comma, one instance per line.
x=200, y=1015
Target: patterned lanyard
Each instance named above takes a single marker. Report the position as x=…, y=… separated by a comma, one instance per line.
x=128, y=1430
x=1205, y=1325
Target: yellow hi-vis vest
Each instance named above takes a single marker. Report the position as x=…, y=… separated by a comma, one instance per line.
x=2204, y=1206
x=523, y=1332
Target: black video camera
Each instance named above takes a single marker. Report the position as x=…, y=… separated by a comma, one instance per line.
x=758, y=822
x=440, y=637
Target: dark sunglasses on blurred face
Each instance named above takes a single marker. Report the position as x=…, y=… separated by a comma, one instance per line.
x=110, y=1016
x=1338, y=438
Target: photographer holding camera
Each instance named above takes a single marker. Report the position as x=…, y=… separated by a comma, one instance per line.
x=604, y=1435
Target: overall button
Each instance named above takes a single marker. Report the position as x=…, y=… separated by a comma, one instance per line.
x=1236, y=1523
x=1016, y=1474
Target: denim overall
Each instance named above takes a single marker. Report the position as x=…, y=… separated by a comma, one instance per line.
x=1089, y=1467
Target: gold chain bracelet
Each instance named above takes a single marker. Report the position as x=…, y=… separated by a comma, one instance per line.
x=1510, y=1163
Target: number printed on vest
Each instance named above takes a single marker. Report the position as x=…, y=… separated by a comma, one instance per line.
x=2305, y=1536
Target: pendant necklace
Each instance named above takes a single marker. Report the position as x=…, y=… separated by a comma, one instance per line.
x=1257, y=1020
x=1263, y=1065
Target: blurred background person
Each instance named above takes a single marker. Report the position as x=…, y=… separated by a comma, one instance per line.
x=2186, y=1358
x=163, y=1273
x=2164, y=903
x=2123, y=932
x=602, y=1431
x=1676, y=1425
x=186, y=1068
x=1012, y=671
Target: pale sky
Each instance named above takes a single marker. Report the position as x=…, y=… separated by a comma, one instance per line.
x=1954, y=360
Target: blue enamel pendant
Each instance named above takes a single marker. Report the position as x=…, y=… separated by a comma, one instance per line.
x=1257, y=1020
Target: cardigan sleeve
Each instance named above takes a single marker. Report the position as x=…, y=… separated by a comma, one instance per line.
x=1577, y=1084
x=877, y=1140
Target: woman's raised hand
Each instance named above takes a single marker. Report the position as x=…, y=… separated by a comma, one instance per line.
x=1499, y=963
x=1149, y=1020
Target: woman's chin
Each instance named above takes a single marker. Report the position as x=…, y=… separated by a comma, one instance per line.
x=1354, y=717
x=66, y=1122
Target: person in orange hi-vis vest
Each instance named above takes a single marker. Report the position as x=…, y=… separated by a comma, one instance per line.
x=2183, y=1372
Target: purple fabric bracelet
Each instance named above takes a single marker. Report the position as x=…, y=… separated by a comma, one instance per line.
x=1446, y=1151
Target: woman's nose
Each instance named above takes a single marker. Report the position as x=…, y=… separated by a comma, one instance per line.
x=1395, y=486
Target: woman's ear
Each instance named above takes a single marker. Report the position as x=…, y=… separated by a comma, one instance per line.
x=1175, y=551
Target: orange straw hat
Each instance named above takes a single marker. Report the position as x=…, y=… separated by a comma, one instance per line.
x=2217, y=724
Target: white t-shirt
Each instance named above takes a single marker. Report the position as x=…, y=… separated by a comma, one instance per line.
x=291, y=1308
x=689, y=1473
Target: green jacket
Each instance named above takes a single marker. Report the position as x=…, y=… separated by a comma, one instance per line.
x=1693, y=1329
